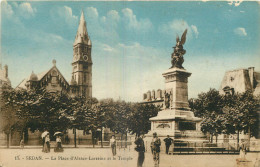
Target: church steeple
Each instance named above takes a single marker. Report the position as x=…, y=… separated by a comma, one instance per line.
x=82, y=62
x=82, y=33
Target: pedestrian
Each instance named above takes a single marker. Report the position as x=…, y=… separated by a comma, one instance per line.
x=22, y=143
x=113, y=144
x=67, y=140
x=46, y=147
x=140, y=148
x=156, y=143
x=43, y=138
x=168, y=141
x=58, y=144
x=242, y=148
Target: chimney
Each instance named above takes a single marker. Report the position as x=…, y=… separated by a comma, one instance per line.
x=149, y=95
x=251, y=75
x=159, y=94
x=153, y=95
x=6, y=71
x=145, y=96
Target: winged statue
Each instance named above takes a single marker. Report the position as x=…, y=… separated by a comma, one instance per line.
x=177, y=55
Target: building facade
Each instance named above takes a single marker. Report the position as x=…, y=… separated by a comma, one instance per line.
x=81, y=80
x=240, y=81
x=53, y=81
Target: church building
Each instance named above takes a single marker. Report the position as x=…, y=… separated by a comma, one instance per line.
x=53, y=81
x=81, y=80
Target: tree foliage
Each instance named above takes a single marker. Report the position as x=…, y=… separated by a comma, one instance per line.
x=226, y=114
x=39, y=109
x=140, y=116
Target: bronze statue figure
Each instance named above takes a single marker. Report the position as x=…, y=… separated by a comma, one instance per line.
x=167, y=99
x=177, y=55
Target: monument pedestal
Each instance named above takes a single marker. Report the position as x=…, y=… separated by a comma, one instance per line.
x=179, y=124
x=176, y=119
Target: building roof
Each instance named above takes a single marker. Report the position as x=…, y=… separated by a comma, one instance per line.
x=40, y=76
x=241, y=80
x=33, y=77
x=82, y=33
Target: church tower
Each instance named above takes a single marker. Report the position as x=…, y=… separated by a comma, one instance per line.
x=81, y=81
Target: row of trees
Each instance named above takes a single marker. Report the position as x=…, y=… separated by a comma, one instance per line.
x=227, y=114
x=39, y=109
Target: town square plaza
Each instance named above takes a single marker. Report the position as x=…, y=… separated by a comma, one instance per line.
x=33, y=156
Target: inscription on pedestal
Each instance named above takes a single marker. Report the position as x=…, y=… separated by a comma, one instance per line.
x=163, y=125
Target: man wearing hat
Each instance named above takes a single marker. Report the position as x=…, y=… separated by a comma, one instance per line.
x=168, y=141
x=155, y=145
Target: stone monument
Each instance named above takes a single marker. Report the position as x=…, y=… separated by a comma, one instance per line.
x=176, y=119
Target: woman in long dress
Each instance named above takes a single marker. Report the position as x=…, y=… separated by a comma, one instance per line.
x=58, y=144
x=46, y=147
x=113, y=145
x=242, y=148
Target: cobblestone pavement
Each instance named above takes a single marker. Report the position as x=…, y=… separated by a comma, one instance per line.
x=95, y=157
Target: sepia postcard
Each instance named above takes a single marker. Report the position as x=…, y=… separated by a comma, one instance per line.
x=129, y=83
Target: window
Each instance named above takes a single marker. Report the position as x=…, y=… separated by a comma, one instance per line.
x=228, y=90
x=54, y=81
x=54, y=73
x=85, y=78
x=232, y=79
x=85, y=66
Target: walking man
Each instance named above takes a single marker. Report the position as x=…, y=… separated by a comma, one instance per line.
x=168, y=141
x=140, y=148
x=113, y=144
x=156, y=143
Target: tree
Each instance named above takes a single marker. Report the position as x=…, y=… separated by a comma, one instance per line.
x=40, y=109
x=207, y=103
x=228, y=114
x=139, y=118
x=8, y=118
x=117, y=115
x=241, y=113
x=82, y=115
x=122, y=117
x=209, y=107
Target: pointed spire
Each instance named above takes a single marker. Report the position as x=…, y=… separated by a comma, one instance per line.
x=82, y=34
x=82, y=18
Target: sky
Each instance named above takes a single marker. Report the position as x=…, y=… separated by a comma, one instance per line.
x=132, y=41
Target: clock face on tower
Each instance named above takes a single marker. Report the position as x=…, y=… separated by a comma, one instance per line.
x=85, y=57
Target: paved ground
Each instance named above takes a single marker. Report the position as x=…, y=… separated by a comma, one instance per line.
x=95, y=157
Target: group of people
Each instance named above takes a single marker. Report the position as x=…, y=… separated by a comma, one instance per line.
x=155, y=148
x=46, y=142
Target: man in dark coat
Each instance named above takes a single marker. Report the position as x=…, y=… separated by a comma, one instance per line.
x=140, y=148
x=168, y=141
